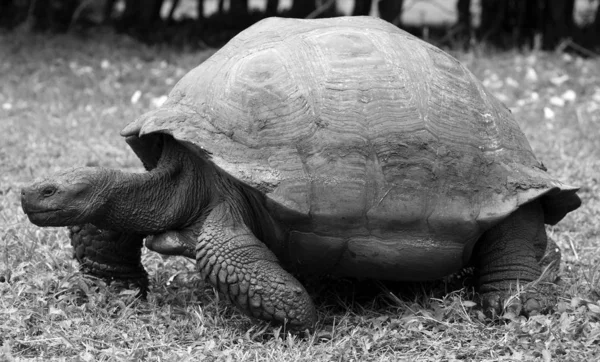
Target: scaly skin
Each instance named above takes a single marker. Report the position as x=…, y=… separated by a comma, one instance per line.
x=240, y=266
x=510, y=257
x=110, y=255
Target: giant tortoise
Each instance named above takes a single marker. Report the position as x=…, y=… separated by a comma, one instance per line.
x=338, y=146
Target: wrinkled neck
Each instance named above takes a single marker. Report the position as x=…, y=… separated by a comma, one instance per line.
x=170, y=196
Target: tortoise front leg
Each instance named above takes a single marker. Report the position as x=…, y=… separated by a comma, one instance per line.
x=240, y=266
x=512, y=255
x=110, y=255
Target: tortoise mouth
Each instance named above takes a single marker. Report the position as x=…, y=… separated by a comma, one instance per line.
x=41, y=212
x=48, y=217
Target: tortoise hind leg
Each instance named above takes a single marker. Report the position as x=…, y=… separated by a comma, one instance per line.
x=509, y=260
x=110, y=255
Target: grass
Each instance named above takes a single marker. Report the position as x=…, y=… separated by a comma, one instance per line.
x=63, y=101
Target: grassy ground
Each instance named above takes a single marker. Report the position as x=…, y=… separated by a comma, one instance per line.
x=63, y=101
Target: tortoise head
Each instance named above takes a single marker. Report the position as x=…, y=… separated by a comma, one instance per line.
x=174, y=192
x=68, y=198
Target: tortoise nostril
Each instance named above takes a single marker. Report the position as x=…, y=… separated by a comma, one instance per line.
x=48, y=191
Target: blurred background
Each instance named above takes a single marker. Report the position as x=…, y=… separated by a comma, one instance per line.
x=534, y=24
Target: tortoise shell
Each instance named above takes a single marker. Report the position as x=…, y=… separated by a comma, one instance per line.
x=364, y=139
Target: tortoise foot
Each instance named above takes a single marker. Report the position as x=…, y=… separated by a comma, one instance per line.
x=532, y=301
x=112, y=256
x=116, y=277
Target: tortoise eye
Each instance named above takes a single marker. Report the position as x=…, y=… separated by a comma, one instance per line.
x=48, y=191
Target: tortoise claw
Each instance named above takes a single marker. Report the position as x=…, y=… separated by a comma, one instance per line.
x=528, y=303
x=496, y=304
